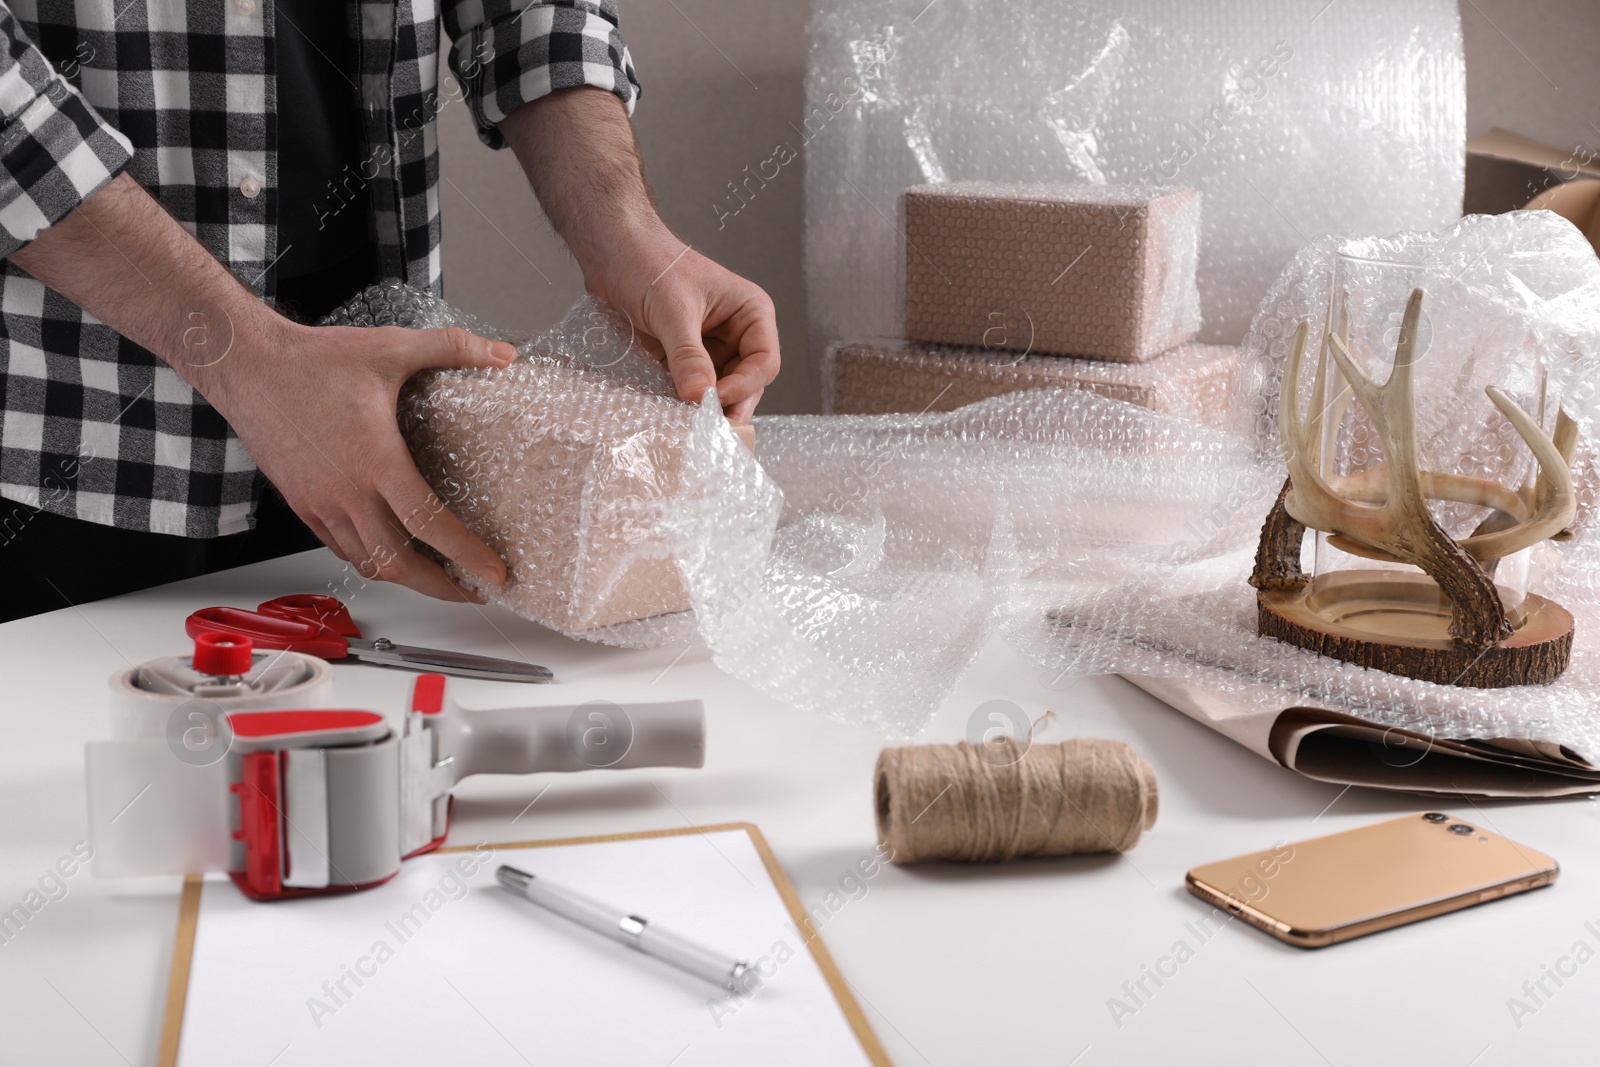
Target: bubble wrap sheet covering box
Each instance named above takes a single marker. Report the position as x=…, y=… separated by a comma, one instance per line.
x=560, y=463
x=1293, y=118
x=1097, y=271
x=881, y=376
x=861, y=565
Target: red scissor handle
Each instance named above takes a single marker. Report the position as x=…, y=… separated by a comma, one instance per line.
x=324, y=610
x=269, y=631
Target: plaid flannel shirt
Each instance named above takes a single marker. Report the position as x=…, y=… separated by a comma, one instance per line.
x=182, y=96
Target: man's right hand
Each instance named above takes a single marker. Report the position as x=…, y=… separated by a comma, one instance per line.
x=315, y=406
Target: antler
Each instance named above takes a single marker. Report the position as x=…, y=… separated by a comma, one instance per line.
x=1400, y=525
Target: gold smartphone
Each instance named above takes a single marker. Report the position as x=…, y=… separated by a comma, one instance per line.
x=1329, y=889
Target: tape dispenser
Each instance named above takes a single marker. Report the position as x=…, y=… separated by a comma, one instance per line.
x=299, y=801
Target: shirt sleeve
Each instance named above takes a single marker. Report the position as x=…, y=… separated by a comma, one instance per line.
x=508, y=52
x=55, y=151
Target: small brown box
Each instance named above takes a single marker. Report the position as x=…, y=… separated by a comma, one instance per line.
x=879, y=376
x=564, y=491
x=1094, y=271
x=1506, y=170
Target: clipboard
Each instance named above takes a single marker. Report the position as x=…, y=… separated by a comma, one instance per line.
x=189, y=931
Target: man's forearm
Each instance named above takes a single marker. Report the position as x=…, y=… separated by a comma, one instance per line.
x=578, y=150
x=708, y=325
x=122, y=257
x=314, y=406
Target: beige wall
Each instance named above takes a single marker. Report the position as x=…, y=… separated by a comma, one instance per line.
x=1534, y=66
x=723, y=79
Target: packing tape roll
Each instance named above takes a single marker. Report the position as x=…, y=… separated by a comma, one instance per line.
x=160, y=699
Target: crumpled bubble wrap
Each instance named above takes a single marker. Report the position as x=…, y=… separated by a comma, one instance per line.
x=903, y=540
x=1294, y=118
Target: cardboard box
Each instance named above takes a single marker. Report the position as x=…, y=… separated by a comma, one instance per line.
x=879, y=376
x=1093, y=271
x=1578, y=202
x=1506, y=170
x=561, y=470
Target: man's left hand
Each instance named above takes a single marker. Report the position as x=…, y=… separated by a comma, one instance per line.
x=710, y=326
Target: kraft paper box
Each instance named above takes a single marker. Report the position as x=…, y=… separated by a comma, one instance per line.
x=1576, y=201
x=1506, y=170
x=561, y=471
x=1095, y=271
x=880, y=376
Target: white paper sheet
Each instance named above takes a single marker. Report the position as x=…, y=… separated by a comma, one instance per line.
x=441, y=965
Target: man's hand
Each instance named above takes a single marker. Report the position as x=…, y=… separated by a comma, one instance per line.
x=707, y=323
x=315, y=406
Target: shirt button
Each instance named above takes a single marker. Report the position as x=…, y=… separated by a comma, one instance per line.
x=250, y=188
x=245, y=7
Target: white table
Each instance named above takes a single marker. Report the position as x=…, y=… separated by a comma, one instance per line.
x=1012, y=964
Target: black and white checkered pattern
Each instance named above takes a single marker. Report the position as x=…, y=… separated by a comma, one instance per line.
x=182, y=95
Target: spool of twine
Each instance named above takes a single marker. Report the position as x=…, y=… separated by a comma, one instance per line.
x=1002, y=800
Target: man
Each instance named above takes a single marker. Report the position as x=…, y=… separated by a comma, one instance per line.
x=185, y=186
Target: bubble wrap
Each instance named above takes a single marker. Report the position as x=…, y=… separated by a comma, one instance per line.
x=1097, y=271
x=560, y=463
x=904, y=539
x=1294, y=118
x=861, y=565
x=879, y=376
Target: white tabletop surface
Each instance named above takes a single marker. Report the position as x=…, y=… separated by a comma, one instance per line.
x=1008, y=964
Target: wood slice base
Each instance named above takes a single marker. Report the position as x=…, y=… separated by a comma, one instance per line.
x=1395, y=622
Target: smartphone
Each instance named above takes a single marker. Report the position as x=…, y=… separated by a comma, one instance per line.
x=1329, y=889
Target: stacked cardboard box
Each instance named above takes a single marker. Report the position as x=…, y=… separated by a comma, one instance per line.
x=879, y=376
x=1099, y=272
x=1507, y=172
x=1013, y=287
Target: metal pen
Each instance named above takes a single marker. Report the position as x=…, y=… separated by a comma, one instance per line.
x=631, y=930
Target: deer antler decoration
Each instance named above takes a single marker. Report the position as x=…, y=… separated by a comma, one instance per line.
x=1382, y=513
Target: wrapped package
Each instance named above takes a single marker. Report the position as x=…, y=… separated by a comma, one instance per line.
x=560, y=463
x=879, y=376
x=1095, y=271
x=1293, y=118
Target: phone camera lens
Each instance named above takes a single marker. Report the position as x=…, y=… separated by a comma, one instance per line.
x=1460, y=828
x=1434, y=816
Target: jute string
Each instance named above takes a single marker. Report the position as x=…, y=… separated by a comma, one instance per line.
x=1001, y=800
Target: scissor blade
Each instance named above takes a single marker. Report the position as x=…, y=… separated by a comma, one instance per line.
x=461, y=664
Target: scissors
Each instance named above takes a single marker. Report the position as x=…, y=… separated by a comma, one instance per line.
x=321, y=626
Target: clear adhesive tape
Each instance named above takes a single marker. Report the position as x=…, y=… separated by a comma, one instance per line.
x=165, y=697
